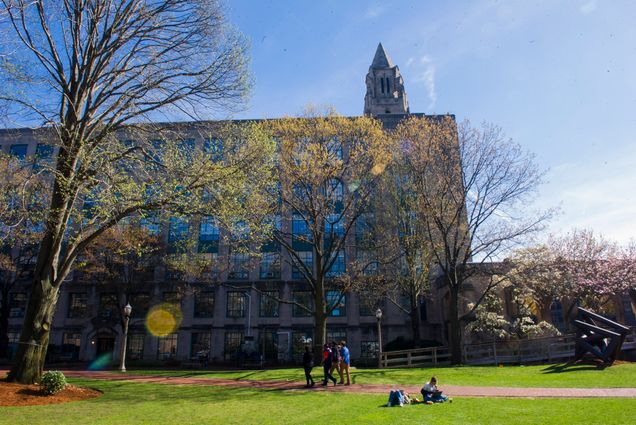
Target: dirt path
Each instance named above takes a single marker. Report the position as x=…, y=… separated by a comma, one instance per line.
x=451, y=390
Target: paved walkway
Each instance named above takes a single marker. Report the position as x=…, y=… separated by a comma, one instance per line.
x=451, y=390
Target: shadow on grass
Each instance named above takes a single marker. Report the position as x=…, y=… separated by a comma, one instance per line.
x=573, y=367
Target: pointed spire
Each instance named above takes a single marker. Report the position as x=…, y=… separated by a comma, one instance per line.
x=381, y=59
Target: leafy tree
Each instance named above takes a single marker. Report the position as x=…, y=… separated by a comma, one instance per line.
x=95, y=74
x=329, y=168
x=477, y=185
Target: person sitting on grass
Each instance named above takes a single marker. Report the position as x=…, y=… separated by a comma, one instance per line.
x=432, y=394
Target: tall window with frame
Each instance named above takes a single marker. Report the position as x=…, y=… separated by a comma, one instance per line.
x=268, y=304
x=336, y=334
x=17, y=304
x=339, y=266
x=167, y=347
x=43, y=156
x=178, y=234
x=19, y=151
x=302, y=298
x=236, y=304
x=270, y=265
x=200, y=344
x=209, y=235
x=135, y=346
x=213, y=146
x=338, y=302
x=77, y=306
x=108, y=307
x=307, y=258
x=239, y=266
x=232, y=344
x=140, y=302
x=204, y=304
x=71, y=343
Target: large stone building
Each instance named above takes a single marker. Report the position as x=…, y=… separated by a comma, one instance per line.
x=225, y=320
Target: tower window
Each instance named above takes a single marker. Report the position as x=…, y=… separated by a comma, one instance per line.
x=388, y=90
x=382, y=83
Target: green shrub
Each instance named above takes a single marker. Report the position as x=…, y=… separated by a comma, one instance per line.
x=52, y=382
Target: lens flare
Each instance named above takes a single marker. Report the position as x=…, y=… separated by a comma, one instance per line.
x=163, y=319
x=102, y=362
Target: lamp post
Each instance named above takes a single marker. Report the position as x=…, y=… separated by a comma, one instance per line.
x=378, y=315
x=127, y=311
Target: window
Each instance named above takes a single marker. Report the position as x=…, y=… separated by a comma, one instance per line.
x=270, y=265
x=179, y=229
x=382, y=83
x=556, y=314
x=628, y=312
x=239, y=266
x=334, y=147
x=307, y=258
x=300, y=338
x=209, y=229
x=150, y=221
x=304, y=298
x=200, y=342
x=18, y=151
x=232, y=346
x=236, y=304
x=368, y=305
x=108, y=305
x=335, y=191
x=364, y=227
x=167, y=348
x=71, y=342
x=338, y=267
x=17, y=304
x=268, y=306
x=369, y=350
x=269, y=341
x=214, y=147
x=135, y=346
x=187, y=149
x=140, y=303
x=367, y=262
x=204, y=304
x=337, y=300
x=77, y=305
x=171, y=297
x=300, y=229
x=43, y=156
x=336, y=334
x=334, y=226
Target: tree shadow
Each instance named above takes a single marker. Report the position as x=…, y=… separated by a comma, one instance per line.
x=574, y=367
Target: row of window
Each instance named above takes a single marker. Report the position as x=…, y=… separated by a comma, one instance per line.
x=204, y=304
x=201, y=344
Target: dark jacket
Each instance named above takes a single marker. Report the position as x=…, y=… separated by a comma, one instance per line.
x=308, y=359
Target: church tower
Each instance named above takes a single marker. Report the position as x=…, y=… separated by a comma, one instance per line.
x=385, y=87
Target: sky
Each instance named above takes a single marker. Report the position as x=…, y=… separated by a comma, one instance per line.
x=558, y=76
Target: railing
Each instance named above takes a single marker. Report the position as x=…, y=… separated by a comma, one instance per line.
x=520, y=351
x=417, y=357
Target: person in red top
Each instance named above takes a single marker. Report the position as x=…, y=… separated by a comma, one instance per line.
x=327, y=361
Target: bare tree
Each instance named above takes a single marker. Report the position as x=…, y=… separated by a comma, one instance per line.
x=477, y=185
x=97, y=73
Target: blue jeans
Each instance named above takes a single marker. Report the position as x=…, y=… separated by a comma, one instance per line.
x=439, y=398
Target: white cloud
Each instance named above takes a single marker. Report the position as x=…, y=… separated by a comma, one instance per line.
x=373, y=11
x=426, y=75
x=588, y=7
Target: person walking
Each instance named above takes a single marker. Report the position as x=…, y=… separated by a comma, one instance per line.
x=327, y=361
x=336, y=361
x=346, y=361
x=308, y=365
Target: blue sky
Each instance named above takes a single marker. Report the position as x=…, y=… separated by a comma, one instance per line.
x=558, y=76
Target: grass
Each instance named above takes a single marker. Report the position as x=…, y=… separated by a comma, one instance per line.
x=127, y=402
x=553, y=376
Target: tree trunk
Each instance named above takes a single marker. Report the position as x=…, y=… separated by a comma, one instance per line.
x=34, y=339
x=4, y=324
x=415, y=322
x=320, y=321
x=455, y=338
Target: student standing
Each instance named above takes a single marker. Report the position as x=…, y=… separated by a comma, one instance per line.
x=308, y=365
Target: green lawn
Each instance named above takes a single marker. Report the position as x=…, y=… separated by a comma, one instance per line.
x=583, y=376
x=127, y=403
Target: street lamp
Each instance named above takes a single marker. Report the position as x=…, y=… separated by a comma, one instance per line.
x=127, y=311
x=378, y=315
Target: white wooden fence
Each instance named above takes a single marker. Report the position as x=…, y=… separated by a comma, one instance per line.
x=433, y=356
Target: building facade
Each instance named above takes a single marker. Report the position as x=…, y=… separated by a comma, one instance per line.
x=234, y=320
